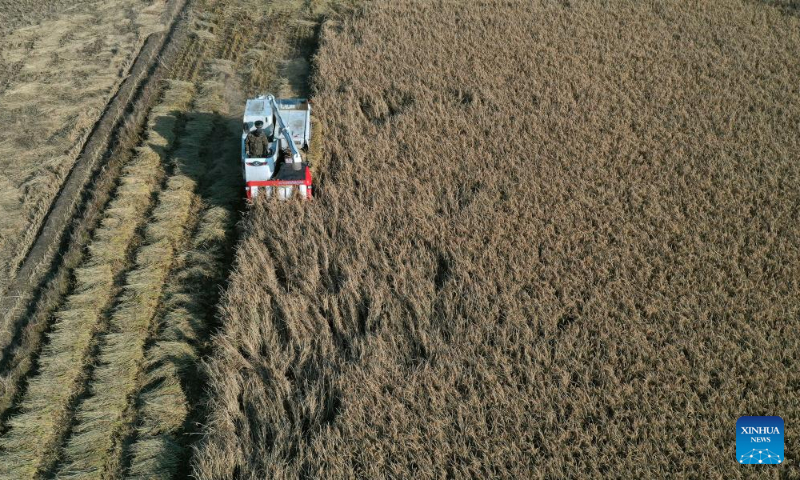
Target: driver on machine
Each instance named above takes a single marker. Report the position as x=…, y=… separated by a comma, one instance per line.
x=256, y=144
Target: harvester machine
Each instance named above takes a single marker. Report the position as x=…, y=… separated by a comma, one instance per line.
x=280, y=169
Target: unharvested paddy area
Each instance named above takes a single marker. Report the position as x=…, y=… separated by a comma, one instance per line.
x=549, y=239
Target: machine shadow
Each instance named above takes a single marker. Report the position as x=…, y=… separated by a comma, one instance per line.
x=223, y=184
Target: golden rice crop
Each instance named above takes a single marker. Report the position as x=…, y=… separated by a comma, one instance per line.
x=551, y=239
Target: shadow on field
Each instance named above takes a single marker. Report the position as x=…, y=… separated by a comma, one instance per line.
x=787, y=7
x=189, y=315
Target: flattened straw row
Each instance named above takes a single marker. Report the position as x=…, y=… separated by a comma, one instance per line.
x=164, y=410
x=44, y=411
x=94, y=448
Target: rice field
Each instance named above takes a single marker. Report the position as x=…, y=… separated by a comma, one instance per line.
x=549, y=239
x=47, y=118
x=38, y=427
x=104, y=380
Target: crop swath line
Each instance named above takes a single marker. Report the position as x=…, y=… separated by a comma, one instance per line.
x=94, y=447
x=142, y=52
x=170, y=391
x=19, y=356
x=168, y=395
x=45, y=279
x=126, y=109
x=45, y=407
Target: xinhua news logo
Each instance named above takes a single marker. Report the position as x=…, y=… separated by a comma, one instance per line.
x=759, y=440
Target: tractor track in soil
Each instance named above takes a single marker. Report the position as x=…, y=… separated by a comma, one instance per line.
x=79, y=204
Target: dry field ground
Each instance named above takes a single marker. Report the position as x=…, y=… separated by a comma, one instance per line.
x=60, y=63
x=551, y=239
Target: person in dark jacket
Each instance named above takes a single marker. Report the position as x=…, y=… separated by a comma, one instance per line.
x=256, y=144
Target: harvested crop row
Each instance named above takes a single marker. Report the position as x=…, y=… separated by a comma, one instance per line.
x=170, y=388
x=94, y=448
x=71, y=213
x=45, y=407
x=160, y=127
x=34, y=100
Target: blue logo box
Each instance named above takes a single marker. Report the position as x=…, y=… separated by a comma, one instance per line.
x=759, y=440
